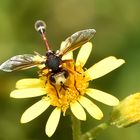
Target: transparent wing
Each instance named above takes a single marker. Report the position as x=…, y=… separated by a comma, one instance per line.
x=21, y=62
x=76, y=40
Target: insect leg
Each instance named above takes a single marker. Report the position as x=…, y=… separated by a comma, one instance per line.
x=56, y=91
x=67, y=61
x=75, y=81
x=64, y=87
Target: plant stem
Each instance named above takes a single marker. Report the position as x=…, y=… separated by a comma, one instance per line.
x=76, y=128
x=91, y=134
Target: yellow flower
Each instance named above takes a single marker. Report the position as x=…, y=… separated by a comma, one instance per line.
x=72, y=95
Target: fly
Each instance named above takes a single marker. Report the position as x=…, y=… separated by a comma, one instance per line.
x=52, y=60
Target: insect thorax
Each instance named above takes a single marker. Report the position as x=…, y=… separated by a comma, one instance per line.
x=53, y=61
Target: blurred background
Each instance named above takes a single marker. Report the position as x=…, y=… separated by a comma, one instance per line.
x=117, y=24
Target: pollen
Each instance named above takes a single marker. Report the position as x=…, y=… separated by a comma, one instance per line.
x=62, y=95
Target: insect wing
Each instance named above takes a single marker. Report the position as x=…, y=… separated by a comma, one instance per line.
x=76, y=40
x=19, y=62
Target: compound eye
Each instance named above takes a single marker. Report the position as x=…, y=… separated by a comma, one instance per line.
x=52, y=79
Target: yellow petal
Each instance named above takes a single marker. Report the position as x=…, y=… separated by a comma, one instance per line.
x=27, y=93
x=83, y=54
x=91, y=108
x=35, y=110
x=103, y=67
x=52, y=122
x=28, y=83
x=102, y=97
x=67, y=56
x=78, y=111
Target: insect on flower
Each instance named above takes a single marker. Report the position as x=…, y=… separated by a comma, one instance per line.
x=62, y=82
x=53, y=60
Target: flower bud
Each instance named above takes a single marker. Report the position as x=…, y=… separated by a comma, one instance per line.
x=127, y=112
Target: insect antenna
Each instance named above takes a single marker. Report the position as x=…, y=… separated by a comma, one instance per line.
x=40, y=27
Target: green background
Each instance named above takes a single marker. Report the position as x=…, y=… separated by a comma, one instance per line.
x=117, y=24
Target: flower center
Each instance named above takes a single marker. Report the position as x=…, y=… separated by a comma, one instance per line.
x=74, y=86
